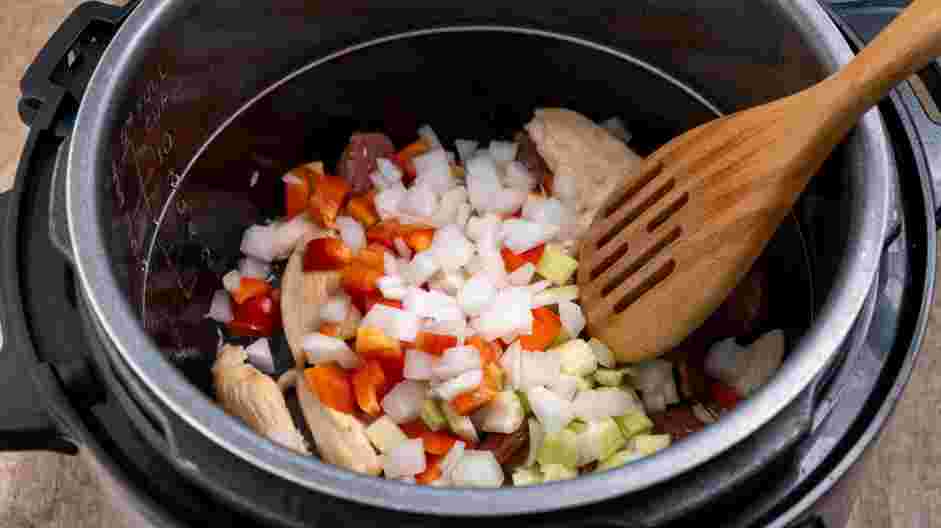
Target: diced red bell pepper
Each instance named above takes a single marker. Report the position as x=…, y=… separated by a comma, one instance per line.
x=726, y=397
x=489, y=352
x=434, y=343
x=432, y=470
x=373, y=343
x=329, y=329
x=276, y=296
x=438, y=442
x=394, y=369
x=256, y=317
x=419, y=239
x=512, y=261
x=384, y=233
x=250, y=287
x=326, y=254
x=332, y=385
x=362, y=207
x=372, y=256
x=359, y=280
x=368, y=381
x=414, y=429
x=546, y=327
x=405, y=156
x=365, y=302
x=297, y=192
x=469, y=402
x=327, y=198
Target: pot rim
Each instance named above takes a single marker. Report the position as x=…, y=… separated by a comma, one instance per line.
x=812, y=353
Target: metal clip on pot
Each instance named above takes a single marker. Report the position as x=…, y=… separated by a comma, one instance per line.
x=37, y=412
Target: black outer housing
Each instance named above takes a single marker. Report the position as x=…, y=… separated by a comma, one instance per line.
x=86, y=401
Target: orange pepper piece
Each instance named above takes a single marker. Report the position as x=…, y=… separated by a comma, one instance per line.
x=373, y=343
x=372, y=256
x=297, y=192
x=358, y=280
x=327, y=198
x=326, y=254
x=435, y=343
x=332, y=385
x=250, y=287
x=362, y=207
x=384, y=233
x=404, y=159
x=489, y=352
x=329, y=329
x=419, y=239
x=469, y=402
x=437, y=442
x=546, y=327
x=432, y=470
x=368, y=380
x=512, y=261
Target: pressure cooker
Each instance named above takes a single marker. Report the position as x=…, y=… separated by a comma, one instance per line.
x=158, y=130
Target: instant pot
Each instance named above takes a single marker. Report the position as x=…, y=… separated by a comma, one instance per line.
x=150, y=125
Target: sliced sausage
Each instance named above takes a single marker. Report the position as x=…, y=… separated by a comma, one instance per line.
x=504, y=446
x=679, y=422
x=359, y=158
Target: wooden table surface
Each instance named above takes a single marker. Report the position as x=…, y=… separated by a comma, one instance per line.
x=902, y=487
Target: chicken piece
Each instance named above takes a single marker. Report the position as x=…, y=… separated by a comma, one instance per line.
x=254, y=397
x=588, y=163
x=302, y=295
x=341, y=438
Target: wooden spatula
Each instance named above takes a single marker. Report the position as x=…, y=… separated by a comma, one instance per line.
x=669, y=247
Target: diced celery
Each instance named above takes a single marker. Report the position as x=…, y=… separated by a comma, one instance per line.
x=618, y=459
x=524, y=401
x=555, y=265
x=460, y=425
x=649, y=444
x=536, y=436
x=551, y=472
x=602, y=352
x=577, y=426
x=598, y=441
x=559, y=448
x=557, y=295
x=585, y=383
x=634, y=423
x=432, y=416
x=576, y=358
x=385, y=434
x=526, y=476
x=611, y=377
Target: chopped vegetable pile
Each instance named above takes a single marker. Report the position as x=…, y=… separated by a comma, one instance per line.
x=434, y=321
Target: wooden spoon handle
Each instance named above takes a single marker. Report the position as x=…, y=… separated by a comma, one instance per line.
x=905, y=46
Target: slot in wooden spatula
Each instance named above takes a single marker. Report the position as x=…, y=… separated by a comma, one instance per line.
x=669, y=247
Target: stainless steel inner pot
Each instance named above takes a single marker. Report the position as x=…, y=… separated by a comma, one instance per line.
x=191, y=99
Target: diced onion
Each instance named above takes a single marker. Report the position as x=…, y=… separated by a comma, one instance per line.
x=483, y=181
x=392, y=287
x=478, y=469
x=432, y=304
x=220, y=309
x=602, y=353
x=404, y=402
x=418, y=365
x=449, y=206
x=231, y=281
x=477, y=294
x=565, y=386
x=252, y=267
x=543, y=210
x=390, y=264
x=553, y=412
x=465, y=149
x=456, y=386
x=395, y=323
x=652, y=375
x=434, y=172
x=352, y=233
x=522, y=276
x=450, y=460
x=511, y=311
x=449, y=283
x=454, y=361
x=324, y=349
x=555, y=295
x=422, y=267
x=504, y=151
x=463, y=215
x=402, y=248
x=603, y=403
x=336, y=309
x=451, y=248
x=274, y=241
x=508, y=200
x=404, y=460
x=573, y=320
x=259, y=355
x=536, y=435
x=420, y=200
x=522, y=235
x=389, y=201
